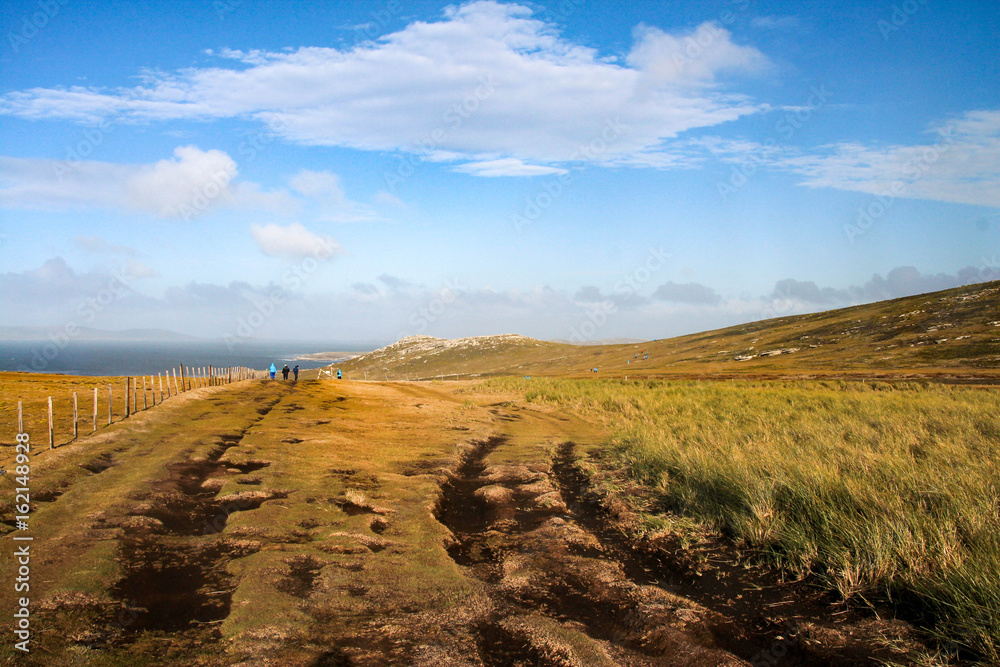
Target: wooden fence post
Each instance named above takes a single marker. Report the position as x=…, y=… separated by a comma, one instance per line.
x=144, y=406
x=110, y=404
x=176, y=390
x=128, y=403
x=160, y=378
x=20, y=418
x=76, y=419
x=52, y=433
x=135, y=395
x=95, y=410
x=211, y=378
x=183, y=388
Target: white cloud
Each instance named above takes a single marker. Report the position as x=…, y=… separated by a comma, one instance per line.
x=318, y=184
x=487, y=80
x=293, y=242
x=101, y=246
x=187, y=185
x=383, y=197
x=191, y=176
x=961, y=165
x=774, y=22
x=324, y=191
x=136, y=269
x=690, y=58
x=506, y=167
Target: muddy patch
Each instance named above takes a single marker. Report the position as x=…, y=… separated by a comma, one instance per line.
x=301, y=578
x=173, y=587
x=98, y=465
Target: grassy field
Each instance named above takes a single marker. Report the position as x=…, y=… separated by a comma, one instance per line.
x=876, y=490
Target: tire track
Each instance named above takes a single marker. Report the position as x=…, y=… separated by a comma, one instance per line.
x=557, y=596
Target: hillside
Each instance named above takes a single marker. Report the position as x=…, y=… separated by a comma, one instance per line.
x=952, y=333
x=416, y=357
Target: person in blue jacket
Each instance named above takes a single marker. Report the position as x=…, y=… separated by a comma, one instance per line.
x=273, y=369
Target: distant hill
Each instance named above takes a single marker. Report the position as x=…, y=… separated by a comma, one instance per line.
x=954, y=332
x=84, y=333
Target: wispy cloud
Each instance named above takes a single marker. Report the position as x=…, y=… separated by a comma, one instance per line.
x=961, y=164
x=776, y=22
x=330, y=204
x=192, y=181
x=689, y=293
x=293, y=242
x=101, y=246
x=549, y=96
x=507, y=167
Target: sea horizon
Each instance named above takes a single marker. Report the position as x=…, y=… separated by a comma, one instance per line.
x=148, y=357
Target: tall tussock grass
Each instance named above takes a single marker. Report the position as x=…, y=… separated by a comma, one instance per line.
x=885, y=490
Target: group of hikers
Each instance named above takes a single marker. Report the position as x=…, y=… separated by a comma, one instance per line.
x=284, y=371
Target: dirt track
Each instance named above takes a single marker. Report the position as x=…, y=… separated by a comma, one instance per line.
x=339, y=524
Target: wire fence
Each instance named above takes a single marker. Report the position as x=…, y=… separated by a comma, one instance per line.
x=66, y=416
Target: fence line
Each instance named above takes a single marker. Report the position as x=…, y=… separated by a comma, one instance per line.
x=190, y=378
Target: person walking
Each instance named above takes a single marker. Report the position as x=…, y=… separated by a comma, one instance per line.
x=284, y=372
x=273, y=369
x=296, y=371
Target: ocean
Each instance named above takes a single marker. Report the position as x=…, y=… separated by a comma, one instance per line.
x=103, y=357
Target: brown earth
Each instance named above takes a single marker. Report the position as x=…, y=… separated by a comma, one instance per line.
x=343, y=523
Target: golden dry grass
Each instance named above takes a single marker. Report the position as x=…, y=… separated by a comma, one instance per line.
x=882, y=490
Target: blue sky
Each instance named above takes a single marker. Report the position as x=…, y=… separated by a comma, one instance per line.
x=567, y=170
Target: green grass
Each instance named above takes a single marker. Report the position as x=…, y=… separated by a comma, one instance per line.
x=872, y=489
